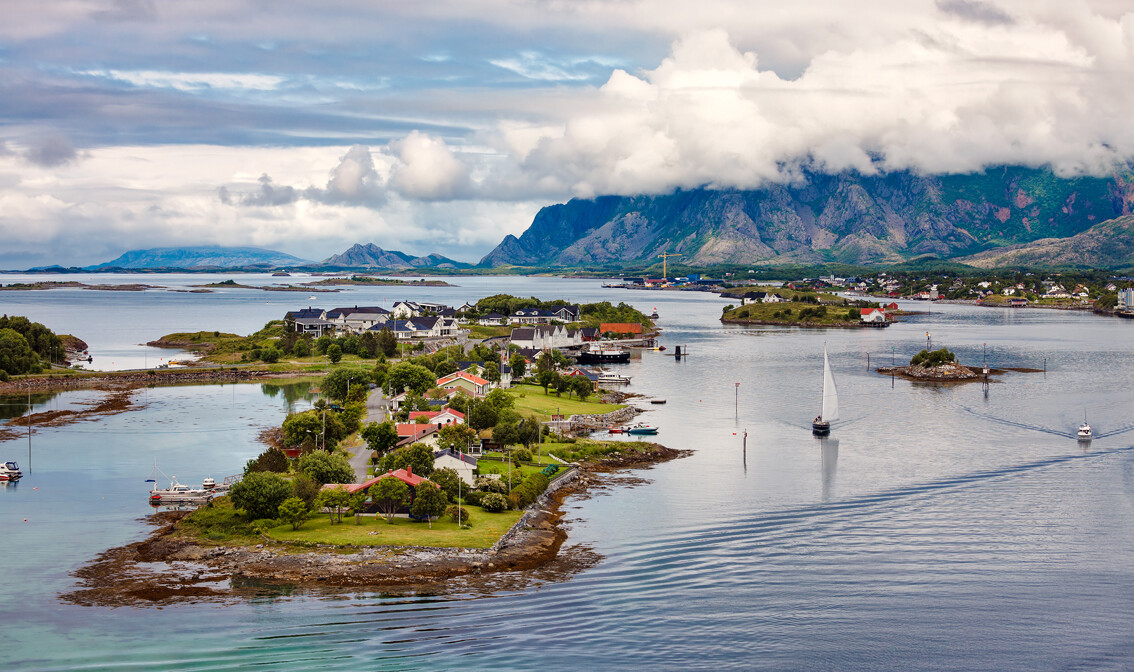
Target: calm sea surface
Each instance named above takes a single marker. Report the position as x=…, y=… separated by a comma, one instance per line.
x=938, y=528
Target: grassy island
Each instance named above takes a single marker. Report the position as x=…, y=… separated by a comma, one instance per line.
x=369, y=280
x=794, y=308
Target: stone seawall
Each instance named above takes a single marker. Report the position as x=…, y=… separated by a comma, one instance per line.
x=535, y=509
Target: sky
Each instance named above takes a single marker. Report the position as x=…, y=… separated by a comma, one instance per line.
x=442, y=126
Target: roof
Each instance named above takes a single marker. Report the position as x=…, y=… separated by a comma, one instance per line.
x=867, y=311
x=415, y=430
x=523, y=333
x=468, y=459
x=304, y=313
x=621, y=327
x=429, y=415
x=335, y=312
x=312, y=321
x=493, y=316
x=461, y=374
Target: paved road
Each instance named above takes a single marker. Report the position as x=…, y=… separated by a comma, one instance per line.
x=375, y=412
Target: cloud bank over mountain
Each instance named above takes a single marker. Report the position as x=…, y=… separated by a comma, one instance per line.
x=307, y=129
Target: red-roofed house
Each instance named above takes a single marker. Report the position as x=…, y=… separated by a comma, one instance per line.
x=892, y=306
x=411, y=432
x=404, y=475
x=445, y=416
x=463, y=380
x=873, y=315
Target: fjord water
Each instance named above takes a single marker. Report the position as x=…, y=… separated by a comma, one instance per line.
x=938, y=527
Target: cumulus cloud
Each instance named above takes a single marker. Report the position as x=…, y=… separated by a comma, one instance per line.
x=267, y=195
x=355, y=181
x=427, y=170
x=975, y=10
x=957, y=100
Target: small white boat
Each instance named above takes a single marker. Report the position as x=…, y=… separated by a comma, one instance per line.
x=10, y=471
x=1085, y=432
x=180, y=494
x=612, y=377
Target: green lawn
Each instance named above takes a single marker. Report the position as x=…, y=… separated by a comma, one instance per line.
x=793, y=313
x=486, y=529
x=483, y=331
x=531, y=400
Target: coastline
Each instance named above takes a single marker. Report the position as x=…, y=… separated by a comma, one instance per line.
x=167, y=568
x=142, y=378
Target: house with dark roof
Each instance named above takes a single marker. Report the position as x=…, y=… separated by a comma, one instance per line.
x=459, y=461
x=493, y=320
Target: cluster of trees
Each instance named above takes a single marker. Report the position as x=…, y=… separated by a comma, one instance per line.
x=934, y=358
x=591, y=314
x=25, y=345
x=369, y=345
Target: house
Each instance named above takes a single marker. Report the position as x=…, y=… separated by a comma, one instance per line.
x=583, y=373
x=1017, y=302
x=404, y=475
x=621, y=328
x=566, y=313
x=493, y=320
x=544, y=336
x=463, y=464
x=463, y=380
x=411, y=432
x=589, y=334
x=308, y=321
x=892, y=306
x=446, y=416
x=1009, y=291
x=531, y=316
x=873, y=315
x=752, y=297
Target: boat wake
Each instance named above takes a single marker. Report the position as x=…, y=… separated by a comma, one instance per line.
x=1045, y=430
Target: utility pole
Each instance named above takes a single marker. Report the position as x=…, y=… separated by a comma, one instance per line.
x=736, y=401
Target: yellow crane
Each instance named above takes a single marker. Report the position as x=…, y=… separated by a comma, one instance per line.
x=664, y=256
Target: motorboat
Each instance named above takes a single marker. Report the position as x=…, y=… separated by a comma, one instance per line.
x=1084, y=433
x=829, y=410
x=600, y=355
x=10, y=471
x=614, y=430
x=641, y=429
x=180, y=494
x=612, y=377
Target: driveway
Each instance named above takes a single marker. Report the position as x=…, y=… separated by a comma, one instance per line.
x=375, y=412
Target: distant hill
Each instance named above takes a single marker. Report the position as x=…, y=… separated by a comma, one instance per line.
x=201, y=257
x=372, y=256
x=1106, y=245
x=845, y=218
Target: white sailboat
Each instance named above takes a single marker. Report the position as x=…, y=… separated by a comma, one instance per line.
x=829, y=411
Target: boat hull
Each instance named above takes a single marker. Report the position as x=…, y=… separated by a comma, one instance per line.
x=820, y=428
x=603, y=357
x=643, y=430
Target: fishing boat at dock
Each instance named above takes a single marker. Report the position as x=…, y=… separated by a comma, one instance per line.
x=600, y=355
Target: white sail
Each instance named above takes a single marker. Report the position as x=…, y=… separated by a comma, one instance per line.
x=830, y=393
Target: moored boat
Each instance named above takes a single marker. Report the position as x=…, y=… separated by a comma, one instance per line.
x=641, y=429
x=600, y=355
x=180, y=494
x=612, y=377
x=10, y=471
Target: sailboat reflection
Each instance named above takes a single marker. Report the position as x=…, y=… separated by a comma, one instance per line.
x=829, y=462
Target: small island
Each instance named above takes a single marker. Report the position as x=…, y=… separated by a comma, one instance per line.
x=368, y=280
x=941, y=366
x=800, y=308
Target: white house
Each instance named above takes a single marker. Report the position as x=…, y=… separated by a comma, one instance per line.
x=463, y=380
x=493, y=320
x=459, y=462
x=545, y=336
x=445, y=416
x=873, y=315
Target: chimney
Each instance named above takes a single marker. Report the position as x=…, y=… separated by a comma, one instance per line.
x=409, y=470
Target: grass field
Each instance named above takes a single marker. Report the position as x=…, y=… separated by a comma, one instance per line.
x=486, y=529
x=482, y=331
x=531, y=400
x=794, y=313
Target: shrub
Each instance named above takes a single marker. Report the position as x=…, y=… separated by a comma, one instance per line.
x=522, y=455
x=458, y=515
x=260, y=494
x=528, y=491
x=493, y=502
x=270, y=355
x=935, y=358
x=306, y=489
x=472, y=497
x=323, y=467
x=272, y=459
x=496, y=485
x=293, y=511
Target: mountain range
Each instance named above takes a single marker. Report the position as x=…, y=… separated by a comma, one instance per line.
x=847, y=218
x=1106, y=245
x=201, y=258
x=372, y=256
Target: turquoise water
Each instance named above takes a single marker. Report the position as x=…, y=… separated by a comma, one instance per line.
x=939, y=528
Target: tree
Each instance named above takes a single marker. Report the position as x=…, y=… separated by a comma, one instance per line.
x=336, y=500
x=562, y=384
x=272, y=459
x=302, y=348
x=582, y=387
x=506, y=434
x=445, y=368
x=458, y=435
x=545, y=362
x=323, y=467
x=417, y=456
x=500, y=400
x=260, y=494
x=389, y=494
x=428, y=502
x=337, y=383
x=305, y=488
x=448, y=480
x=322, y=344
x=307, y=427
x=387, y=342
x=519, y=365
x=293, y=511
x=546, y=379
x=334, y=353
x=380, y=436
x=368, y=344
x=417, y=378
x=357, y=504
x=492, y=372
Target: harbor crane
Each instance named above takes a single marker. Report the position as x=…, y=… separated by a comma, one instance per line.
x=664, y=256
